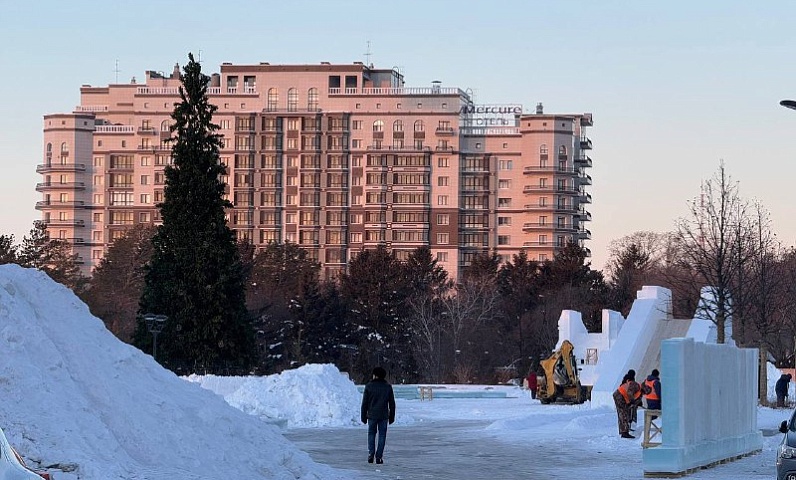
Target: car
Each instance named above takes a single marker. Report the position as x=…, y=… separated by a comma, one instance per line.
x=12, y=467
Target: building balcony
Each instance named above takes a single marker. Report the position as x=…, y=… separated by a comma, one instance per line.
x=65, y=223
x=489, y=131
x=566, y=227
x=584, y=216
x=585, y=179
x=75, y=241
x=445, y=131
x=147, y=131
x=585, y=143
x=91, y=108
x=114, y=129
x=538, y=189
x=443, y=149
x=584, y=234
x=540, y=245
x=46, y=204
x=393, y=148
x=387, y=91
x=584, y=161
x=60, y=186
x=60, y=167
x=550, y=169
x=584, y=197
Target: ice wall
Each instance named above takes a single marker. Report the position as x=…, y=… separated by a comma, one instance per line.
x=570, y=327
x=652, y=305
x=709, y=400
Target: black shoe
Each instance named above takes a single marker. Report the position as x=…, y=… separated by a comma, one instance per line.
x=370, y=458
x=626, y=435
x=379, y=460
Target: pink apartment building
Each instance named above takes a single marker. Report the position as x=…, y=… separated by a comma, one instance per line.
x=335, y=158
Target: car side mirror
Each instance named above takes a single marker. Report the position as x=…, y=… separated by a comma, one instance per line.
x=783, y=427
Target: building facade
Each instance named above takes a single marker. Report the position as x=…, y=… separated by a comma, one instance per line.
x=335, y=158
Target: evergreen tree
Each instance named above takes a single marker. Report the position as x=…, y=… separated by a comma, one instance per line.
x=196, y=277
x=8, y=250
x=52, y=256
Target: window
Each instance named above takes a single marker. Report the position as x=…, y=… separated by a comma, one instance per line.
x=97, y=218
x=542, y=239
x=442, y=199
x=419, y=126
x=97, y=199
x=144, y=179
x=96, y=254
x=443, y=219
x=356, y=125
x=290, y=199
x=543, y=149
x=562, y=150
x=398, y=126
x=144, y=217
x=504, y=220
x=97, y=161
x=505, y=164
x=292, y=100
x=504, y=239
x=443, y=181
x=356, y=218
x=312, y=99
x=273, y=99
x=356, y=144
x=443, y=239
x=290, y=218
x=146, y=198
x=96, y=236
x=378, y=126
x=442, y=162
x=504, y=202
x=504, y=184
x=442, y=257
x=355, y=237
x=146, y=161
x=542, y=220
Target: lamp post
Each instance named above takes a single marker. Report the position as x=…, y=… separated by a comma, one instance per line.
x=155, y=324
x=788, y=104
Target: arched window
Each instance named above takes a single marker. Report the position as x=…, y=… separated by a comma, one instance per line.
x=64, y=148
x=49, y=148
x=378, y=126
x=398, y=126
x=312, y=99
x=562, y=150
x=164, y=126
x=543, y=149
x=419, y=126
x=292, y=100
x=273, y=99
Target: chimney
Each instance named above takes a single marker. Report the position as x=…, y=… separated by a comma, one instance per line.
x=539, y=108
x=176, y=72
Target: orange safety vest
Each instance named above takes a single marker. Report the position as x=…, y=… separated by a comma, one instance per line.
x=653, y=395
x=623, y=391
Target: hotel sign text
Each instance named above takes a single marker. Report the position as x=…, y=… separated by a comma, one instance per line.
x=490, y=115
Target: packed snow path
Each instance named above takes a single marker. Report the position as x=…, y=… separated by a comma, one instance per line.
x=462, y=449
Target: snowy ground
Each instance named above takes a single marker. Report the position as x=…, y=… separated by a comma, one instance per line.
x=77, y=400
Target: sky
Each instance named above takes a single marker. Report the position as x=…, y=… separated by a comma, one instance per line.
x=675, y=87
x=79, y=400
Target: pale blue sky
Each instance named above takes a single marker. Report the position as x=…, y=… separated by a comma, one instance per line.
x=674, y=86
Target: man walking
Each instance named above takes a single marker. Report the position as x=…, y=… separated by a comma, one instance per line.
x=378, y=408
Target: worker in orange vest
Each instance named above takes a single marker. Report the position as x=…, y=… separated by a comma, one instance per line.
x=653, y=382
x=626, y=397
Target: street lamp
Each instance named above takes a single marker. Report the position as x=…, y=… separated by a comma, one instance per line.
x=788, y=104
x=155, y=324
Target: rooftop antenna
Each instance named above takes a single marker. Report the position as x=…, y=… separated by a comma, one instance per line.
x=367, y=56
x=199, y=56
x=116, y=69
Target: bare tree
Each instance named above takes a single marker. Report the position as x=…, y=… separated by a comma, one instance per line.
x=713, y=242
x=474, y=303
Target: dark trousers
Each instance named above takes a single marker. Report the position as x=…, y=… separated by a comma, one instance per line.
x=373, y=427
x=781, y=401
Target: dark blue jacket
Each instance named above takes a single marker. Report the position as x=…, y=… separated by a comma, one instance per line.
x=782, y=385
x=378, y=401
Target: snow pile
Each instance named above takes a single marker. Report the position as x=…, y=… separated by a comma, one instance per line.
x=310, y=396
x=75, y=396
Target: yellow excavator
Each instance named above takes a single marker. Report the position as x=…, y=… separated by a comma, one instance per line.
x=561, y=383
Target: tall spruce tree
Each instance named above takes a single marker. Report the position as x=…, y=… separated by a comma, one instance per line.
x=195, y=276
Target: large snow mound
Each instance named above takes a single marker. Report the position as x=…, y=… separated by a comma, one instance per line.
x=314, y=395
x=72, y=394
